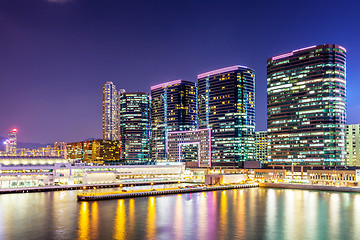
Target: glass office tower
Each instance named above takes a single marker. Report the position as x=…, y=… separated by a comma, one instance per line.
x=227, y=107
x=173, y=108
x=306, y=104
x=110, y=116
x=135, y=127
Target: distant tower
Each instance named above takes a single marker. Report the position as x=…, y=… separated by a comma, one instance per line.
x=7, y=146
x=110, y=112
x=12, y=140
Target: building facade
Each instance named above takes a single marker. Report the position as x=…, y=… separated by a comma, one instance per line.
x=110, y=116
x=96, y=152
x=173, y=108
x=192, y=147
x=353, y=145
x=306, y=104
x=261, y=146
x=227, y=106
x=135, y=127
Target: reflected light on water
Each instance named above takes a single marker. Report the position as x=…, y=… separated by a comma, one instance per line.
x=355, y=215
x=131, y=217
x=84, y=221
x=334, y=215
x=271, y=210
x=240, y=213
x=310, y=214
x=178, y=226
x=289, y=214
x=119, y=231
x=223, y=214
x=203, y=216
x=94, y=219
x=151, y=219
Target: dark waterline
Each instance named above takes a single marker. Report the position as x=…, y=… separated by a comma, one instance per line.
x=256, y=213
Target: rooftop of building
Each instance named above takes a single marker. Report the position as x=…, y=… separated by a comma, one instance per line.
x=134, y=93
x=224, y=70
x=169, y=83
x=289, y=54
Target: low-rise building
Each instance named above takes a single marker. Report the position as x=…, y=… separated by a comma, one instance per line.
x=191, y=147
x=19, y=172
x=334, y=177
x=261, y=146
x=95, y=151
x=213, y=179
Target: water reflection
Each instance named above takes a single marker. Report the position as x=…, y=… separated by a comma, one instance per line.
x=240, y=213
x=203, y=216
x=131, y=217
x=334, y=214
x=178, y=226
x=151, y=219
x=223, y=214
x=233, y=214
x=212, y=209
x=94, y=220
x=84, y=222
x=119, y=224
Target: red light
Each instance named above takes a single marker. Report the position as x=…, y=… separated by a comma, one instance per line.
x=14, y=130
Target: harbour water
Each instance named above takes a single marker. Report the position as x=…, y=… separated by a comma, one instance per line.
x=254, y=213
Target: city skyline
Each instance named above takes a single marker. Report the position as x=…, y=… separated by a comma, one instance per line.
x=57, y=60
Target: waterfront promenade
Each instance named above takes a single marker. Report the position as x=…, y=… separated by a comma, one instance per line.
x=87, y=186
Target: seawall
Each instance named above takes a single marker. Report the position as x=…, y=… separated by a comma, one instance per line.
x=310, y=187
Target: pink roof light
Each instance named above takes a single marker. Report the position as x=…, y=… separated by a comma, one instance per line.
x=165, y=84
x=221, y=70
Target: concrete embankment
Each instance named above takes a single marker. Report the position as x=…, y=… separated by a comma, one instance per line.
x=95, y=197
x=310, y=187
x=80, y=186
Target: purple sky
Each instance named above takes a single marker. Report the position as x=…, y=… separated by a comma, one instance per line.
x=55, y=55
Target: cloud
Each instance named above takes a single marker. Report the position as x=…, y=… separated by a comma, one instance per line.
x=58, y=1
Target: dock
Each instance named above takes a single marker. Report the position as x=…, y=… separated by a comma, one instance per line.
x=154, y=192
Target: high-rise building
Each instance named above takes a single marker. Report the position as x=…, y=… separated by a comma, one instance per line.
x=227, y=107
x=261, y=146
x=110, y=112
x=135, y=127
x=173, y=108
x=306, y=104
x=353, y=145
x=12, y=141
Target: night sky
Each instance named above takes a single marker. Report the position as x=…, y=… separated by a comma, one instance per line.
x=55, y=55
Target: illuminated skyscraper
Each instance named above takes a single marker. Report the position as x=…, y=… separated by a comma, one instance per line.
x=135, y=127
x=173, y=108
x=227, y=107
x=110, y=112
x=306, y=104
x=12, y=141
